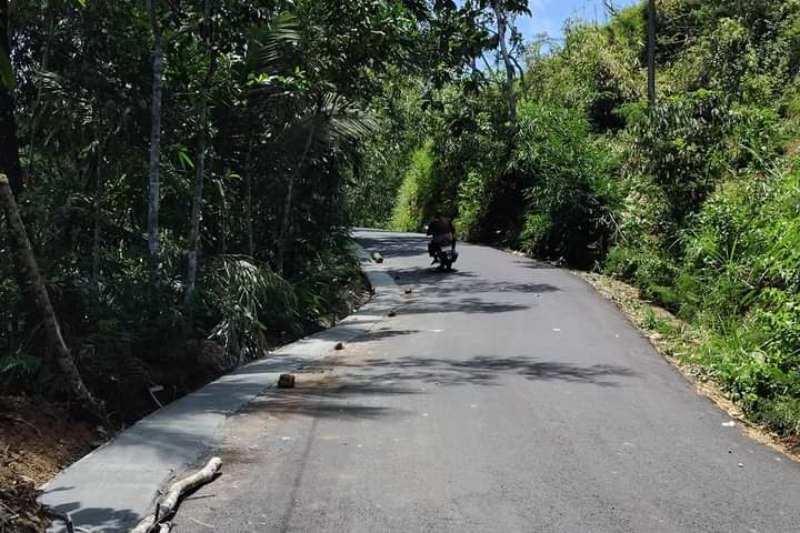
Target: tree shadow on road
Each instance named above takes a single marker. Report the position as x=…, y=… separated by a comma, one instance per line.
x=314, y=406
x=473, y=287
x=101, y=518
x=464, y=305
x=533, y=264
x=485, y=370
x=463, y=281
x=395, y=246
x=383, y=334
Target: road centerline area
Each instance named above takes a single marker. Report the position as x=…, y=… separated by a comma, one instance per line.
x=504, y=396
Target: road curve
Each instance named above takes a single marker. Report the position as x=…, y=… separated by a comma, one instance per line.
x=506, y=396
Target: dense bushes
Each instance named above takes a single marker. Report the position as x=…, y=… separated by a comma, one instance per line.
x=570, y=194
x=415, y=197
x=185, y=170
x=739, y=280
x=694, y=200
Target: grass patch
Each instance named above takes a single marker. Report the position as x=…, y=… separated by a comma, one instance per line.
x=775, y=421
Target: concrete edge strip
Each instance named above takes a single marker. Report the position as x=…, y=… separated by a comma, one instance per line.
x=116, y=484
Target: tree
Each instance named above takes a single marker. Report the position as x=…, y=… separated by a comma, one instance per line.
x=494, y=18
x=651, y=51
x=501, y=16
x=202, y=147
x=9, y=145
x=273, y=107
x=34, y=288
x=154, y=169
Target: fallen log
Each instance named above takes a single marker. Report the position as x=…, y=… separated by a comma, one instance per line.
x=167, y=505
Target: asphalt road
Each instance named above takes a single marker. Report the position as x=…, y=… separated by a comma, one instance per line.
x=506, y=396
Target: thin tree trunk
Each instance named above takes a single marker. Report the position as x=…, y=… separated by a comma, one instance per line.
x=45, y=61
x=283, y=239
x=248, y=198
x=223, y=218
x=502, y=26
x=651, y=51
x=96, y=241
x=98, y=212
x=197, y=203
x=154, y=182
x=34, y=289
x=9, y=144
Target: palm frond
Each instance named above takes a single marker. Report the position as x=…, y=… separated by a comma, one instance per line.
x=267, y=46
x=333, y=122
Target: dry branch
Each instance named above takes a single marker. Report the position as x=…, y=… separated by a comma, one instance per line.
x=166, y=507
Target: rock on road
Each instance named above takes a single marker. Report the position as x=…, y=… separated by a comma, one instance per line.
x=506, y=396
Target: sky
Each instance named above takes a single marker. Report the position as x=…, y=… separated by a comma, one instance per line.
x=549, y=16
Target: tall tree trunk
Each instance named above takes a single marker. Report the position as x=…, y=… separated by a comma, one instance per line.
x=98, y=216
x=223, y=218
x=197, y=205
x=651, y=51
x=154, y=178
x=34, y=289
x=9, y=144
x=50, y=19
x=283, y=239
x=502, y=27
x=248, y=198
x=197, y=201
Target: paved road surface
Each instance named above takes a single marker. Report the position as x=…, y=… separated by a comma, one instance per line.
x=507, y=396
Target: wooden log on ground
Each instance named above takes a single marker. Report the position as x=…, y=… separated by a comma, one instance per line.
x=167, y=505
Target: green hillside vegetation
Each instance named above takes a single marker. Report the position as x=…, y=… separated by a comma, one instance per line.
x=696, y=201
x=187, y=173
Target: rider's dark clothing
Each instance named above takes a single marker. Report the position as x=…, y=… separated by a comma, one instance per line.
x=442, y=232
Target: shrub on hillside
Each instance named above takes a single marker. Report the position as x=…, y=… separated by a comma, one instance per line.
x=571, y=194
x=415, y=193
x=739, y=279
x=471, y=205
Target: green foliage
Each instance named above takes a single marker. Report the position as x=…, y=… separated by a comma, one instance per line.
x=679, y=144
x=6, y=72
x=246, y=297
x=375, y=113
x=322, y=285
x=284, y=103
x=416, y=193
x=781, y=414
x=596, y=72
x=739, y=279
x=571, y=193
x=692, y=199
x=384, y=157
x=471, y=205
x=18, y=368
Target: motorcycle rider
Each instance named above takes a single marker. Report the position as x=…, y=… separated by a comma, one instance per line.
x=442, y=234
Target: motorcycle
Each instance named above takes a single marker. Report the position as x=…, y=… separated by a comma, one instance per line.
x=444, y=256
